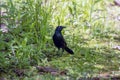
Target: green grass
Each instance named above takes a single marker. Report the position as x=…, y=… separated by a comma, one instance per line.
x=31, y=25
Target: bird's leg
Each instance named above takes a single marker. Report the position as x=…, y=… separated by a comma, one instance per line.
x=58, y=52
x=62, y=50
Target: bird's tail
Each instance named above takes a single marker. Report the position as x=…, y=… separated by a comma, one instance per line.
x=69, y=50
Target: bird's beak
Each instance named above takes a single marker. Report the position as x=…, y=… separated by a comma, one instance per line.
x=63, y=27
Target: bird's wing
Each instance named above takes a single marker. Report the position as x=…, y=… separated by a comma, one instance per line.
x=63, y=41
x=59, y=40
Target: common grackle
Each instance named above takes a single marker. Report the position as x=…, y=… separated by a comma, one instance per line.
x=59, y=41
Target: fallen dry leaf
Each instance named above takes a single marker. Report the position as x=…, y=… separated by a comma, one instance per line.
x=51, y=70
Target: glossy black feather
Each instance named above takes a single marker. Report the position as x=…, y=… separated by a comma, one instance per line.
x=59, y=41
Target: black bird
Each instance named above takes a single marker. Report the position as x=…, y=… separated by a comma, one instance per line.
x=59, y=41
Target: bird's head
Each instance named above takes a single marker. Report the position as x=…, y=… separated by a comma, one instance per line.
x=59, y=28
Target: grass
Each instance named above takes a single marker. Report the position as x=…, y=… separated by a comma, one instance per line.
x=90, y=33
